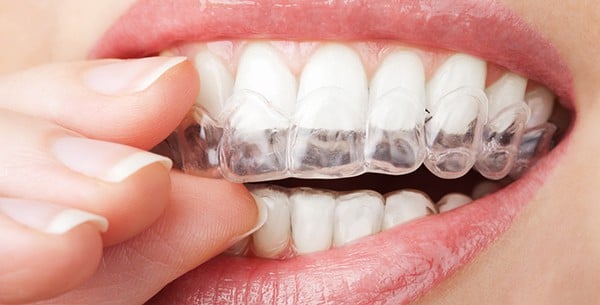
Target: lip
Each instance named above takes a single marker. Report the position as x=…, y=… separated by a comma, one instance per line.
x=395, y=266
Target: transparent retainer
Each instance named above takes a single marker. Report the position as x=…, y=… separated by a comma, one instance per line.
x=453, y=132
x=255, y=139
x=256, y=142
x=536, y=142
x=501, y=140
x=336, y=148
x=395, y=143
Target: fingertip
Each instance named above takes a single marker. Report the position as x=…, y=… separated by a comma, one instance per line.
x=226, y=210
x=143, y=197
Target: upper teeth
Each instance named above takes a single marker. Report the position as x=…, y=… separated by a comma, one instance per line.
x=328, y=120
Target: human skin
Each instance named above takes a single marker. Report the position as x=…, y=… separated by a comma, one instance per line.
x=550, y=255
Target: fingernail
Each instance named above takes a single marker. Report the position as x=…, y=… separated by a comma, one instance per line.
x=128, y=76
x=106, y=161
x=49, y=218
x=261, y=219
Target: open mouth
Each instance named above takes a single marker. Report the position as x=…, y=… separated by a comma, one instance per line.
x=382, y=161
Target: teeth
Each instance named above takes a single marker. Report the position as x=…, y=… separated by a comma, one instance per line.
x=536, y=142
x=404, y=206
x=508, y=115
x=272, y=239
x=541, y=102
x=261, y=69
x=333, y=83
x=254, y=142
x=217, y=82
x=485, y=188
x=357, y=215
x=458, y=109
x=331, y=123
x=329, y=117
x=312, y=214
x=394, y=142
x=507, y=91
x=452, y=201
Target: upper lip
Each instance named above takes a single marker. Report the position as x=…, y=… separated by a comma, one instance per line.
x=401, y=264
x=482, y=28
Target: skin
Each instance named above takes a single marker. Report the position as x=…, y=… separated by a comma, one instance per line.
x=551, y=255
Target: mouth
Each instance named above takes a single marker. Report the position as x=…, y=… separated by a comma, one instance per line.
x=387, y=144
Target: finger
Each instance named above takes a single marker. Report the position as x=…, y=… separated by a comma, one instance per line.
x=133, y=102
x=46, y=249
x=204, y=218
x=42, y=161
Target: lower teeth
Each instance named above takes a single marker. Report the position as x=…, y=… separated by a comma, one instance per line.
x=304, y=220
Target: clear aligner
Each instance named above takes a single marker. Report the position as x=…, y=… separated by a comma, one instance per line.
x=501, y=140
x=254, y=141
x=453, y=132
x=395, y=141
x=535, y=143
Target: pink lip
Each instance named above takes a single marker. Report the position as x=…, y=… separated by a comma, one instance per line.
x=393, y=267
x=396, y=266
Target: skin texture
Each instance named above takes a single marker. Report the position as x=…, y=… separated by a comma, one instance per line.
x=551, y=255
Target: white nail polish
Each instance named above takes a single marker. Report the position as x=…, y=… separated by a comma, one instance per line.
x=107, y=161
x=49, y=218
x=128, y=76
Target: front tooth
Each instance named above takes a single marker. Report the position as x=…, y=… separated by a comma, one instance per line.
x=404, y=206
x=541, y=103
x=261, y=69
x=394, y=143
x=452, y=201
x=312, y=214
x=272, y=239
x=458, y=108
x=254, y=144
x=357, y=215
x=505, y=92
x=508, y=115
x=329, y=115
x=217, y=82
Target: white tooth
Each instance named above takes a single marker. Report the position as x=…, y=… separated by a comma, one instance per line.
x=312, y=214
x=485, y=188
x=404, y=206
x=333, y=84
x=400, y=70
x=357, y=215
x=262, y=69
x=505, y=92
x=452, y=201
x=459, y=71
x=273, y=237
x=541, y=102
x=216, y=82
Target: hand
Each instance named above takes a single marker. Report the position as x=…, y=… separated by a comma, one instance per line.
x=75, y=179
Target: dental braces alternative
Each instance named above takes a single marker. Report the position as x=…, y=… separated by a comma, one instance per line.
x=336, y=124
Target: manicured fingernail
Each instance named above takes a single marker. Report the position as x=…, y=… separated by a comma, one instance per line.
x=107, y=161
x=260, y=221
x=49, y=218
x=128, y=76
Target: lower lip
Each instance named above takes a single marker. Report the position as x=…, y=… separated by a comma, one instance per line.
x=393, y=267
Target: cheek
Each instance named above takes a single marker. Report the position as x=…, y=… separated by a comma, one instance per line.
x=54, y=31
